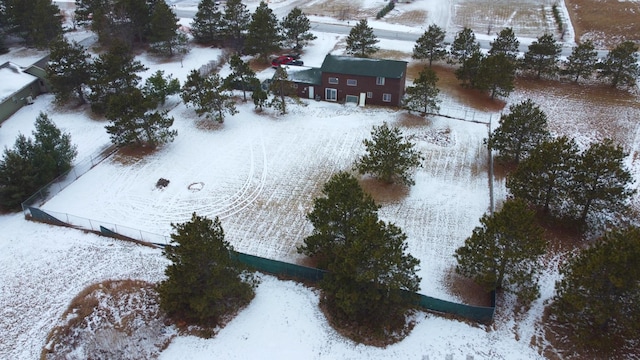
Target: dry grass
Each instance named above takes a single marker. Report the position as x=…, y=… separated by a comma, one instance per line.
x=605, y=22
x=132, y=154
x=466, y=289
x=382, y=192
x=408, y=18
x=391, y=54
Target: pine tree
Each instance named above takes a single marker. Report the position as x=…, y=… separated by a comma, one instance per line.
x=390, y=157
x=113, y=72
x=468, y=73
x=423, y=95
x=582, y=61
x=280, y=88
x=259, y=96
x=37, y=22
x=506, y=43
x=496, y=74
x=542, y=56
x=361, y=40
x=366, y=258
x=163, y=29
x=597, y=298
x=205, y=283
x=296, y=28
x=463, y=47
x=208, y=96
x=157, y=88
x=241, y=76
x=69, y=70
x=133, y=124
x=601, y=182
x=621, y=65
x=133, y=19
x=263, y=36
x=236, y=21
x=52, y=150
x=543, y=179
x=208, y=26
x=18, y=174
x=503, y=252
x=431, y=45
x=520, y=131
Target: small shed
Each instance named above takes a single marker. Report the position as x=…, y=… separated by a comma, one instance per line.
x=306, y=80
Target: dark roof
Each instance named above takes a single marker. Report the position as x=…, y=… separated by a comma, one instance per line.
x=302, y=75
x=363, y=66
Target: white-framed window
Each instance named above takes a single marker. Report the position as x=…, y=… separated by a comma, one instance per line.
x=352, y=82
x=369, y=94
x=330, y=94
x=386, y=97
x=333, y=80
x=351, y=99
x=379, y=80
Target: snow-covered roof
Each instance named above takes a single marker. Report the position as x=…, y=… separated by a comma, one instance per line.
x=12, y=79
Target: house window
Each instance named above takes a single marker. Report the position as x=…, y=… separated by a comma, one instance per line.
x=331, y=94
x=351, y=99
x=369, y=94
x=386, y=97
x=333, y=80
x=295, y=86
x=352, y=82
x=379, y=80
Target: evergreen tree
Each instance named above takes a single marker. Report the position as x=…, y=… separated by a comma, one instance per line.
x=431, y=45
x=468, y=73
x=423, y=95
x=163, y=29
x=263, y=36
x=133, y=19
x=259, y=96
x=463, y=47
x=296, y=28
x=597, y=298
x=520, y=131
x=53, y=152
x=361, y=41
x=506, y=43
x=69, y=70
x=280, y=87
x=496, y=74
x=542, y=56
x=582, y=61
x=601, y=182
x=18, y=174
x=208, y=26
x=205, y=282
x=157, y=88
x=241, y=76
x=543, y=179
x=366, y=258
x=37, y=22
x=503, y=252
x=208, y=96
x=112, y=73
x=32, y=164
x=133, y=124
x=621, y=65
x=390, y=157
x=236, y=21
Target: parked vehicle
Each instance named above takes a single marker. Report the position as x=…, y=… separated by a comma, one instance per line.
x=286, y=60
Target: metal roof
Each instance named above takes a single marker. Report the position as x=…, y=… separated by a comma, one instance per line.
x=364, y=66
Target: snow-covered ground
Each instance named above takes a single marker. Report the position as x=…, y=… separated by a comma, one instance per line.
x=259, y=174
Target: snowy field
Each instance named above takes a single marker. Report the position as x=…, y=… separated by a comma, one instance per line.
x=259, y=173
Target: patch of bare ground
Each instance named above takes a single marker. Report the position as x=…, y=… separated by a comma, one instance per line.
x=113, y=319
x=450, y=85
x=339, y=9
x=466, y=289
x=391, y=54
x=409, y=18
x=132, y=154
x=605, y=22
x=412, y=120
x=208, y=124
x=382, y=192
